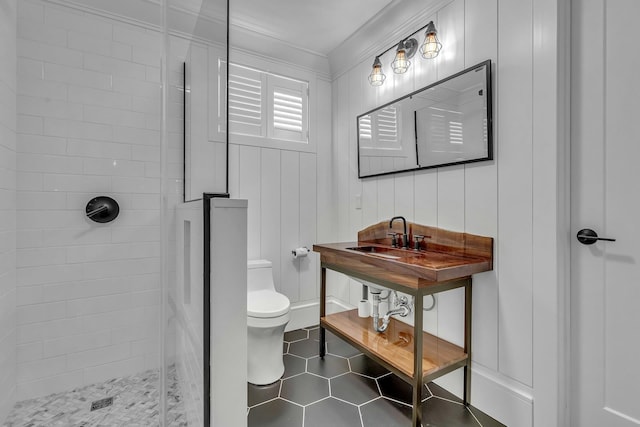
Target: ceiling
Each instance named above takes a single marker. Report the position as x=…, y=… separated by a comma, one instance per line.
x=316, y=26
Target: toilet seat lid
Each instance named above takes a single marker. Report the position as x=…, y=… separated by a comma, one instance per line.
x=266, y=304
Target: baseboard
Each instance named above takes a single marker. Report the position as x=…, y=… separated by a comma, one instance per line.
x=306, y=314
x=504, y=399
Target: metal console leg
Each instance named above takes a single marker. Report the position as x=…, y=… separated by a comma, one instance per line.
x=467, y=342
x=323, y=297
x=416, y=418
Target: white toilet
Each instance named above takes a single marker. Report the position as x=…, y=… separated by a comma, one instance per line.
x=267, y=316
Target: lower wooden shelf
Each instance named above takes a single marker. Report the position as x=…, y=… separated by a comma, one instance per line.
x=395, y=345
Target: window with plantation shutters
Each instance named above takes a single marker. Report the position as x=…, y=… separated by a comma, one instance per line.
x=267, y=105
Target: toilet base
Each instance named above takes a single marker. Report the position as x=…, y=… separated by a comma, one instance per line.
x=265, y=363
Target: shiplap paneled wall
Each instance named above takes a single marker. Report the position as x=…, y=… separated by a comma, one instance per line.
x=281, y=188
x=88, y=124
x=289, y=191
x=7, y=206
x=492, y=198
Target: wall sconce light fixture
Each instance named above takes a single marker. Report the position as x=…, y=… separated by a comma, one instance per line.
x=376, y=78
x=405, y=50
x=431, y=46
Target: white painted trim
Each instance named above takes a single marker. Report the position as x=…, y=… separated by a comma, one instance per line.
x=506, y=400
x=307, y=313
x=243, y=40
x=564, y=215
x=240, y=25
x=550, y=211
x=109, y=15
x=71, y=4
x=564, y=191
x=497, y=395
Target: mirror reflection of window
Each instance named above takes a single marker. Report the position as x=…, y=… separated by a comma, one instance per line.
x=445, y=123
x=452, y=127
x=381, y=130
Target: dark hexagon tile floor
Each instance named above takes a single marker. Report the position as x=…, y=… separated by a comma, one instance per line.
x=365, y=366
x=331, y=412
x=354, y=388
x=328, y=367
x=347, y=389
x=293, y=365
x=276, y=413
x=305, y=389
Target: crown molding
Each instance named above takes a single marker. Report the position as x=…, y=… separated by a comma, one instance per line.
x=262, y=45
x=185, y=21
x=139, y=22
x=258, y=31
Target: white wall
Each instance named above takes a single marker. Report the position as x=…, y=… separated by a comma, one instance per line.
x=494, y=198
x=7, y=206
x=283, y=187
x=88, y=124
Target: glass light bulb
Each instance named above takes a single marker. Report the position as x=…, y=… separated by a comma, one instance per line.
x=376, y=78
x=401, y=63
x=431, y=46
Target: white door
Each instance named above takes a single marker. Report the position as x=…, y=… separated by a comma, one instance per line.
x=605, y=163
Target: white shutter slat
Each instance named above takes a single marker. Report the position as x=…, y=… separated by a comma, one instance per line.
x=385, y=128
x=365, y=127
x=246, y=101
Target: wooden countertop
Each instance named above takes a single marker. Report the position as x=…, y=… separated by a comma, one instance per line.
x=448, y=256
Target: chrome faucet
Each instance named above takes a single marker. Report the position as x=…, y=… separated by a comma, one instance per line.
x=405, y=237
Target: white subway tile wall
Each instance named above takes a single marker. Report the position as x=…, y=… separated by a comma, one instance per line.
x=88, y=294
x=8, y=314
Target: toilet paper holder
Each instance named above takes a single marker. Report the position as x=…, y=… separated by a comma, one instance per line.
x=300, y=252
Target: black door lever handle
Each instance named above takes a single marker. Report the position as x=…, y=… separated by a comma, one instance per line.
x=587, y=236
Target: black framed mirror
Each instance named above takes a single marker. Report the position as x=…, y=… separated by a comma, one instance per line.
x=446, y=123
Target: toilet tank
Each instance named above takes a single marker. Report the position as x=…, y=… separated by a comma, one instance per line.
x=259, y=275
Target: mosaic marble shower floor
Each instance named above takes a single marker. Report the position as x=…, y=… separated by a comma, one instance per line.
x=135, y=403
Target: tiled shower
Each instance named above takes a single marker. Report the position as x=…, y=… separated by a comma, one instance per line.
x=81, y=303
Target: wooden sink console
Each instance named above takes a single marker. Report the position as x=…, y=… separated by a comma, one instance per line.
x=446, y=260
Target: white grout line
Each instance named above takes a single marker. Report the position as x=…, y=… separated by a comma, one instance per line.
x=262, y=403
x=294, y=403
x=397, y=401
x=448, y=400
x=345, y=401
x=365, y=376
x=313, y=403
x=361, y=419
x=369, y=401
x=474, y=416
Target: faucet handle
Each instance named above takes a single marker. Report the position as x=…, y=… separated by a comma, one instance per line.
x=394, y=242
x=417, y=238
